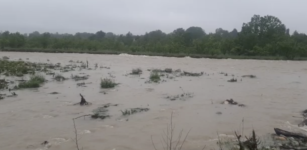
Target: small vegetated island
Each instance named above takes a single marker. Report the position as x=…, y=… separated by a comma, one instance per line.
x=263, y=37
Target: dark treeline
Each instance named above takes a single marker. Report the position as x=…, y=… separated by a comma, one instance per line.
x=262, y=36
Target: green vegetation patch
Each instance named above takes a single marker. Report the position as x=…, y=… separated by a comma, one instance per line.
x=3, y=84
x=15, y=68
x=59, y=77
x=136, y=71
x=133, y=111
x=154, y=77
x=107, y=83
x=34, y=82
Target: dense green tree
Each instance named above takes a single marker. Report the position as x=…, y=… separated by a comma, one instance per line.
x=193, y=33
x=261, y=36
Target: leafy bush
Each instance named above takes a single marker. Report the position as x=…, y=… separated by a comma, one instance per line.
x=154, y=77
x=107, y=83
x=3, y=84
x=137, y=71
x=15, y=68
x=5, y=58
x=34, y=82
x=59, y=77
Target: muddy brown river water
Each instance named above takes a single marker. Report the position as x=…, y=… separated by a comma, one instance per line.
x=277, y=94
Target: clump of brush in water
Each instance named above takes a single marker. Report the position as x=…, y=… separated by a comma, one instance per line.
x=59, y=77
x=34, y=82
x=15, y=68
x=3, y=84
x=251, y=143
x=249, y=76
x=5, y=58
x=185, y=73
x=107, y=83
x=233, y=80
x=154, y=77
x=183, y=96
x=133, y=111
x=137, y=71
x=78, y=78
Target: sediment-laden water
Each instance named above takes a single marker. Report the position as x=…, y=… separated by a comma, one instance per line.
x=272, y=99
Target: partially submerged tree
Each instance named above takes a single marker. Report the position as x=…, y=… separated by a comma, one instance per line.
x=83, y=101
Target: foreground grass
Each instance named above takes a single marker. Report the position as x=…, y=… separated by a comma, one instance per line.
x=34, y=82
x=107, y=83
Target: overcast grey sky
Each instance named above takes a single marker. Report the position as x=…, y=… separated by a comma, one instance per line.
x=140, y=16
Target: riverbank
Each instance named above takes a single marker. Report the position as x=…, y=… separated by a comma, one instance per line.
x=178, y=55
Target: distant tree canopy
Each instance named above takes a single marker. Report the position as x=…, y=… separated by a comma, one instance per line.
x=261, y=36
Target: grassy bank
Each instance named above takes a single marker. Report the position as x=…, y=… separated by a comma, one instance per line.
x=178, y=55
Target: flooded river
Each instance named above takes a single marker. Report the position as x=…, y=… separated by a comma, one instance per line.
x=272, y=99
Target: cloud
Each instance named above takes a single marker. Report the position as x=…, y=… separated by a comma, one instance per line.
x=140, y=16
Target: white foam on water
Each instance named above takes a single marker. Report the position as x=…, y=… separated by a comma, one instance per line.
x=296, y=128
x=125, y=54
x=108, y=126
x=56, y=141
x=47, y=116
x=85, y=132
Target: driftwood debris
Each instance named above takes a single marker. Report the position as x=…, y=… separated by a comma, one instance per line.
x=304, y=115
x=289, y=134
x=59, y=78
x=78, y=78
x=303, y=123
x=102, y=112
x=251, y=143
x=45, y=143
x=232, y=102
x=13, y=94
x=83, y=101
x=233, y=80
x=133, y=111
x=54, y=93
x=81, y=84
x=249, y=76
x=183, y=96
x=185, y=73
